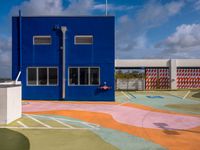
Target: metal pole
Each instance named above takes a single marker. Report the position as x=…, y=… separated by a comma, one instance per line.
x=106, y=7
x=64, y=29
x=20, y=38
x=20, y=47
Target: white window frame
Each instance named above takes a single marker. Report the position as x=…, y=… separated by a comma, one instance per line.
x=75, y=42
x=37, y=76
x=42, y=36
x=89, y=83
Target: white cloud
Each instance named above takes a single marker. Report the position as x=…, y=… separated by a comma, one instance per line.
x=79, y=7
x=154, y=13
x=75, y=7
x=36, y=7
x=197, y=4
x=186, y=39
x=54, y=7
x=131, y=40
x=5, y=57
x=112, y=7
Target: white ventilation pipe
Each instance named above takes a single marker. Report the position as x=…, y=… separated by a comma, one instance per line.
x=17, y=79
x=63, y=29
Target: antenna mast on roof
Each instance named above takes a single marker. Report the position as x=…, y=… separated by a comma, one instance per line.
x=106, y=7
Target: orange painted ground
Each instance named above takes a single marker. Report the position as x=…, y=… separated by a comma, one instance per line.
x=174, y=140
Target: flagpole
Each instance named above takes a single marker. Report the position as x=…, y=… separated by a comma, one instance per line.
x=106, y=7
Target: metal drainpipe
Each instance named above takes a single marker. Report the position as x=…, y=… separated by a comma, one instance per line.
x=63, y=29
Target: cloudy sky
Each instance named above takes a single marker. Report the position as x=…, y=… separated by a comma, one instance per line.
x=144, y=28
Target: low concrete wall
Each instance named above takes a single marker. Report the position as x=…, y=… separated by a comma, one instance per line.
x=130, y=84
x=10, y=103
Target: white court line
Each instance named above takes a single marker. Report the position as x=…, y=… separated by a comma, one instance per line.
x=126, y=95
x=92, y=125
x=22, y=124
x=29, y=116
x=42, y=128
x=186, y=94
x=95, y=126
x=87, y=124
x=66, y=125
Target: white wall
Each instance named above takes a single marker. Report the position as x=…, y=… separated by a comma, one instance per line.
x=3, y=105
x=171, y=63
x=10, y=104
x=188, y=62
x=141, y=63
x=173, y=74
x=156, y=62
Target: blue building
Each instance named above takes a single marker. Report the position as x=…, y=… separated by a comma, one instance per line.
x=64, y=58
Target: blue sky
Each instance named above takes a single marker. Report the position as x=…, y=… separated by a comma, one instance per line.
x=144, y=28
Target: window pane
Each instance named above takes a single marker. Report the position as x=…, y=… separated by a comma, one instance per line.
x=73, y=73
x=42, y=40
x=32, y=76
x=83, y=76
x=94, y=76
x=84, y=39
x=53, y=76
x=42, y=76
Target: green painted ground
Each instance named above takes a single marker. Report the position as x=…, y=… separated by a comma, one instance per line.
x=186, y=107
x=49, y=139
x=59, y=139
x=171, y=100
x=13, y=140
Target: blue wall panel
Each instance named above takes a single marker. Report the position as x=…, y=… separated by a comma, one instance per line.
x=100, y=54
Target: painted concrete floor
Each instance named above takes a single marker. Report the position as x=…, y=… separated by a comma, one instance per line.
x=135, y=121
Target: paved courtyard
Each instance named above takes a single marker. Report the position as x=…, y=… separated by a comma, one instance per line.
x=137, y=120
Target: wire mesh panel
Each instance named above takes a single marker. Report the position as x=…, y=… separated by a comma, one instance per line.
x=157, y=78
x=188, y=78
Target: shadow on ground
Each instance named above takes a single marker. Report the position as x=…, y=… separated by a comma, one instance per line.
x=12, y=140
x=166, y=129
x=196, y=95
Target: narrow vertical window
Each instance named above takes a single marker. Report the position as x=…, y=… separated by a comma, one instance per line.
x=53, y=76
x=94, y=76
x=42, y=72
x=73, y=76
x=32, y=76
x=84, y=76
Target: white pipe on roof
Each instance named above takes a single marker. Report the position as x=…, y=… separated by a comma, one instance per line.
x=156, y=63
x=64, y=29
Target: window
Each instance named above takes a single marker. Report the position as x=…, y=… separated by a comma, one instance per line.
x=73, y=76
x=32, y=76
x=42, y=72
x=42, y=76
x=53, y=76
x=42, y=40
x=83, y=39
x=84, y=76
x=94, y=76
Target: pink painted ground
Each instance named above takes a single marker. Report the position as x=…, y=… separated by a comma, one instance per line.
x=123, y=114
